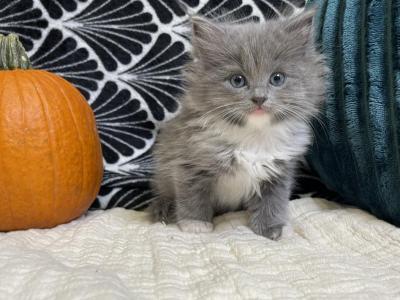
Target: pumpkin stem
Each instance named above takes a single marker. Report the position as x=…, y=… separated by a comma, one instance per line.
x=12, y=53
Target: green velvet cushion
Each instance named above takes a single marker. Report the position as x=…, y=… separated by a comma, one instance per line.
x=357, y=152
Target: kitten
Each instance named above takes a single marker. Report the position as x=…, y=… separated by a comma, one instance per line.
x=252, y=90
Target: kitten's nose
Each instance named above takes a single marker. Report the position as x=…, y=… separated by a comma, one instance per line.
x=258, y=100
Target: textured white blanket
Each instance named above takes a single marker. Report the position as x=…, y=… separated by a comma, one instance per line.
x=334, y=252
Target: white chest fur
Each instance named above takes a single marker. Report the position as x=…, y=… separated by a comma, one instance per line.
x=252, y=168
x=257, y=159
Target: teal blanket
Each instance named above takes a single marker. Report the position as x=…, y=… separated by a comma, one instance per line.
x=356, y=152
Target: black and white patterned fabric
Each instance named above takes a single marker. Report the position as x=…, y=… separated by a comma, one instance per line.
x=125, y=56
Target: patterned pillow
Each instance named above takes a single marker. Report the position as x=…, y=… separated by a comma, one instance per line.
x=125, y=56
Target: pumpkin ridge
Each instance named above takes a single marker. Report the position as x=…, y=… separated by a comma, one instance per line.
x=1, y=159
x=20, y=94
x=90, y=116
x=35, y=84
x=91, y=120
x=66, y=99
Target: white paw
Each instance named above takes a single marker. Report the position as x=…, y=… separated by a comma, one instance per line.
x=194, y=226
x=287, y=231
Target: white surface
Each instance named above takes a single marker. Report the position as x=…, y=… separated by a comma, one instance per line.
x=333, y=253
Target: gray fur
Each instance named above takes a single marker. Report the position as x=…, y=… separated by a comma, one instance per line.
x=216, y=156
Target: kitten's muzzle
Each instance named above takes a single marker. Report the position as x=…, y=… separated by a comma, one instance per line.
x=258, y=100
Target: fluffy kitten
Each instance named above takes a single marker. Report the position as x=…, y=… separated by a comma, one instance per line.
x=252, y=90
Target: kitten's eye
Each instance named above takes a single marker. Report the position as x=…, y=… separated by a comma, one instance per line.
x=238, y=81
x=277, y=79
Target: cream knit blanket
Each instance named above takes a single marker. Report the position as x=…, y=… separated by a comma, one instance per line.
x=334, y=252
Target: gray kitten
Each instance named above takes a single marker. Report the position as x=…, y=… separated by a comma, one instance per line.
x=252, y=90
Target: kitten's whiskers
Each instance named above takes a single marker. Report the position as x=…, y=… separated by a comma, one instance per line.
x=206, y=117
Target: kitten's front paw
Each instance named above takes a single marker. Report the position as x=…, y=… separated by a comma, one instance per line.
x=273, y=233
x=195, y=226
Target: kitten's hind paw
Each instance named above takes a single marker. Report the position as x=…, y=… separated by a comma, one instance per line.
x=162, y=210
x=195, y=226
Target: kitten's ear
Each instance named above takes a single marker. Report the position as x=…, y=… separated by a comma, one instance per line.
x=203, y=28
x=302, y=24
x=205, y=34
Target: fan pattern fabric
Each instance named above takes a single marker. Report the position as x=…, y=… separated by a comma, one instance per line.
x=125, y=56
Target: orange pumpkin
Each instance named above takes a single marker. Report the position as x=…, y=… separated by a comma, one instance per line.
x=50, y=154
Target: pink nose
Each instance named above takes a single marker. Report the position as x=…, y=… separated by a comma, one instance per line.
x=258, y=100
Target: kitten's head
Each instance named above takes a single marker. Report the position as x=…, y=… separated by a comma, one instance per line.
x=256, y=70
